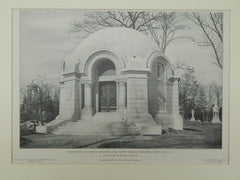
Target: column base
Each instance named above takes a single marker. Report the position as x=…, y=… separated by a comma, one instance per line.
x=87, y=113
x=122, y=111
x=145, y=123
x=174, y=121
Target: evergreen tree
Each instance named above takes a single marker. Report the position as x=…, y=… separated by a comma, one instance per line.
x=200, y=103
x=187, y=88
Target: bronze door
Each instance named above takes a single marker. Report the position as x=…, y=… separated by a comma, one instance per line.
x=107, y=96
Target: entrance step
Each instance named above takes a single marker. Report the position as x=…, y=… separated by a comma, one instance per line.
x=100, y=124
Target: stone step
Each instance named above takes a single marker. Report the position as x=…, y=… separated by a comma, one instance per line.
x=93, y=125
x=96, y=132
x=103, y=115
x=106, y=113
x=81, y=133
x=99, y=133
x=96, y=127
x=103, y=123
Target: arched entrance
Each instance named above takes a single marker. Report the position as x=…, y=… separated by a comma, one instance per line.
x=104, y=89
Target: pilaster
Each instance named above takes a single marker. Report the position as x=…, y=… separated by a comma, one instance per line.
x=87, y=110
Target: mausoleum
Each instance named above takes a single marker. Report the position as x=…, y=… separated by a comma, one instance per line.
x=117, y=81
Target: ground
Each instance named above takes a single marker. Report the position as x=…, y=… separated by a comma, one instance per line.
x=195, y=135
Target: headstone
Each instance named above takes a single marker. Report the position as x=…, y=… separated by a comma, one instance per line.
x=216, y=113
x=41, y=129
x=192, y=118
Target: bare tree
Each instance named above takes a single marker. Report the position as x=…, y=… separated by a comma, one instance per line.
x=183, y=66
x=100, y=19
x=211, y=25
x=164, y=30
x=161, y=26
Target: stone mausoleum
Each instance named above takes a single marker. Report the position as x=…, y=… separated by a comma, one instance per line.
x=117, y=82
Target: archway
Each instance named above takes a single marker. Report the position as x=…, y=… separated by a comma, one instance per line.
x=104, y=89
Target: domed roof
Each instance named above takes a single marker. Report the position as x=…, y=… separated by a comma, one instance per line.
x=125, y=42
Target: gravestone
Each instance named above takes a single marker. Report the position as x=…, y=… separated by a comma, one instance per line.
x=216, y=113
x=41, y=129
x=192, y=118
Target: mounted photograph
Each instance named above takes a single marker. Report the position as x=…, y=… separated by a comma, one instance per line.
x=119, y=86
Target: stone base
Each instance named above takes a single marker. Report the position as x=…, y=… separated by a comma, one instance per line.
x=140, y=118
x=192, y=119
x=51, y=126
x=216, y=120
x=87, y=113
x=151, y=130
x=145, y=123
x=169, y=121
x=41, y=129
x=122, y=112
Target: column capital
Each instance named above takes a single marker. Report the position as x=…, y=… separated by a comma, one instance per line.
x=87, y=82
x=121, y=82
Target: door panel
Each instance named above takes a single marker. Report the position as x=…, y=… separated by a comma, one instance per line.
x=107, y=96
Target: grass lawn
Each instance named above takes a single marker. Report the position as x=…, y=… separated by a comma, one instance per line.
x=195, y=135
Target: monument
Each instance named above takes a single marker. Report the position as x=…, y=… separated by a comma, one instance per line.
x=117, y=81
x=193, y=117
x=216, y=113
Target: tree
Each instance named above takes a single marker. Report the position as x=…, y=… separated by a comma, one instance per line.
x=101, y=19
x=201, y=103
x=215, y=92
x=211, y=25
x=38, y=97
x=187, y=89
x=192, y=94
x=160, y=26
x=165, y=29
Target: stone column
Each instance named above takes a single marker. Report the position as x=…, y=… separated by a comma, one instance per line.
x=175, y=97
x=171, y=118
x=122, y=96
x=177, y=120
x=137, y=107
x=87, y=110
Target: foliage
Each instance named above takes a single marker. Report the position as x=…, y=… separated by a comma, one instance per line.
x=196, y=96
x=187, y=89
x=39, y=97
x=200, y=103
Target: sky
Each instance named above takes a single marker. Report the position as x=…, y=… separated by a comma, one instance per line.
x=46, y=37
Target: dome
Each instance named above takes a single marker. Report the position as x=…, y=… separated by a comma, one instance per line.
x=126, y=43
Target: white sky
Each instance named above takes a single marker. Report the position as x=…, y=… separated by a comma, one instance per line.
x=45, y=39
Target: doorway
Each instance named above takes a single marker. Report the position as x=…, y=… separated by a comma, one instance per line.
x=107, y=96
